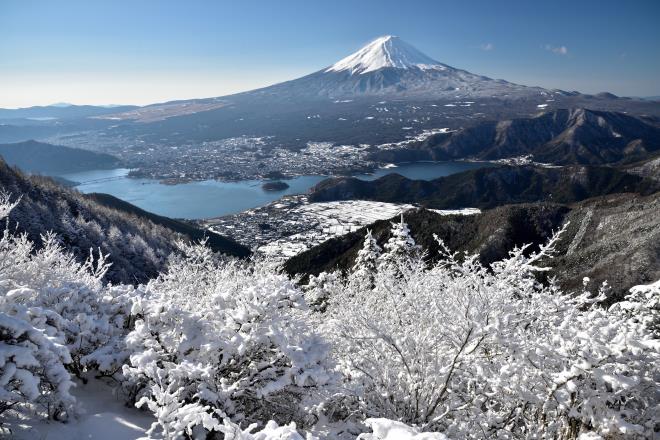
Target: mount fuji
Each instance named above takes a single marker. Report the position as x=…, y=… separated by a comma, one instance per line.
x=387, y=91
x=390, y=67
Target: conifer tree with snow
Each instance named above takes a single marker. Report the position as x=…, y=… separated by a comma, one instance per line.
x=399, y=249
x=366, y=262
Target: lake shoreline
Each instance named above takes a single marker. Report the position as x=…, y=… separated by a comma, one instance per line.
x=212, y=198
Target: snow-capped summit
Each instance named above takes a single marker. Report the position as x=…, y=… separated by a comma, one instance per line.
x=387, y=51
x=390, y=67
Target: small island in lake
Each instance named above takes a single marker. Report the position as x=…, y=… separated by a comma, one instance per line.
x=275, y=186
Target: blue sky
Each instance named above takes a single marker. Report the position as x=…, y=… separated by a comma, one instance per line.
x=144, y=51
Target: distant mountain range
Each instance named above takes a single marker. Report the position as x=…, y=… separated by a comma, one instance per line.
x=489, y=187
x=62, y=111
x=41, y=158
x=574, y=136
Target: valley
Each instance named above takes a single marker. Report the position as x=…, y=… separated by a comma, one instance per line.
x=381, y=131
x=212, y=198
x=255, y=137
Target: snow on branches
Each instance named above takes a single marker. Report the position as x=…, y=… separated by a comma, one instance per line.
x=397, y=346
x=56, y=318
x=221, y=338
x=474, y=351
x=32, y=369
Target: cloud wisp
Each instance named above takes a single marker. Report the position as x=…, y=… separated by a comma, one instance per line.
x=487, y=46
x=559, y=50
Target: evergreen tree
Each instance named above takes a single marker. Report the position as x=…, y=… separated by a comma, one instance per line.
x=400, y=248
x=366, y=262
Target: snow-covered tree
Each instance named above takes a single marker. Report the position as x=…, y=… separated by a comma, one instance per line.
x=319, y=289
x=226, y=339
x=271, y=431
x=32, y=370
x=385, y=429
x=478, y=352
x=399, y=250
x=57, y=317
x=643, y=305
x=366, y=262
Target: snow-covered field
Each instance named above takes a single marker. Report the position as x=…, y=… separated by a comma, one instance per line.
x=329, y=220
x=295, y=225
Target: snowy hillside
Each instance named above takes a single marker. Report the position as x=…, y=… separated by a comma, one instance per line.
x=220, y=347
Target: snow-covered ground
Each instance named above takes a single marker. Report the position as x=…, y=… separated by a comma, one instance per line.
x=330, y=219
x=523, y=160
x=103, y=417
x=292, y=225
x=464, y=211
x=412, y=139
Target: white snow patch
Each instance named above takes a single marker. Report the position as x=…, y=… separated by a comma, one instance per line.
x=387, y=51
x=411, y=139
x=105, y=417
x=463, y=211
x=385, y=429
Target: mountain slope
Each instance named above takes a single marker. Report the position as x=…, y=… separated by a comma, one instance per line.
x=42, y=158
x=575, y=136
x=491, y=234
x=138, y=246
x=488, y=187
x=615, y=238
x=215, y=241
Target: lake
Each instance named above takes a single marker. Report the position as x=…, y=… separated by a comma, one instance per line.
x=212, y=198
